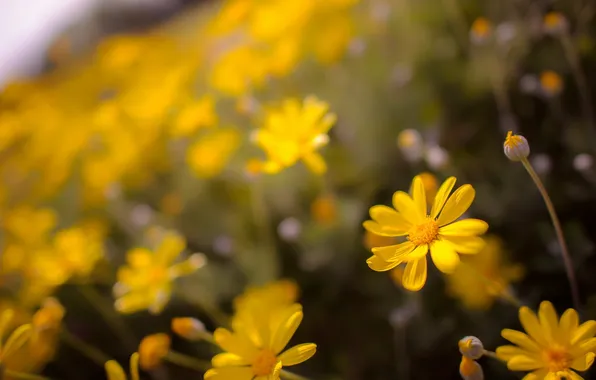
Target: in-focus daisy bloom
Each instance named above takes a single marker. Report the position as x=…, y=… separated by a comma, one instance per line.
x=554, y=23
x=152, y=350
x=551, y=83
x=469, y=369
x=481, y=30
x=552, y=348
x=256, y=352
x=115, y=372
x=435, y=230
x=294, y=132
x=516, y=147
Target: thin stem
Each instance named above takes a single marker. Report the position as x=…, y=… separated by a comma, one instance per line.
x=83, y=347
x=187, y=361
x=558, y=230
x=491, y=354
x=291, y=376
x=24, y=376
x=503, y=292
x=264, y=225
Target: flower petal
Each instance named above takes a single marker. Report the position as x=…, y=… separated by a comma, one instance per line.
x=227, y=359
x=457, y=204
x=536, y=375
x=520, y=339
x=286, y=329
x=298, y=354
x=467, y=245
x=419, y=195
x=418, y=253
x=315, y=163
x=406, y=206
x=505, y=353
x=584, y=331
x=587, y=345
x=524, y=363
x=444, y=256
x=442, y=196
x=465, y=227
x=394, y=253
x=549, y=320
x=114, y=371
x=378, y=265
x=568, y=323
x=583, y=362
x=229, y=373
x=415, y=274
x=390, y=220
x=235, y=344
x=377, y=229
x=532, y=326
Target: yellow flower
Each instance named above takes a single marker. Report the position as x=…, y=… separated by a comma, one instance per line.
x=324, y=209
x=197, y=114
x=551, y=83
x=16, y=340
x=115, y=372
x=295, y=132
x=152, y=350
x=275, y=295
x=474, y=291
x=146, y=282
x=481, y=29
x=257, y=353
x=437, y=231
x=552, y=347
x=554, y=22
x=78, y=249
x=208, y=156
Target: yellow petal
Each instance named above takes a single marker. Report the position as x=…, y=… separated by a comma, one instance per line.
x=229, y=373
x=414, y=276
x=406, y=206
x=536, y=375
x=390, y=220
x=570, y=375
x=298, y=354
x=457, y=204
x=507, y=352
x=568, y=323
x=583, y=362
x=315, y=163
x=549, y=320
x=134, y=366
x=467, y=245
x=520, y=339
x=584, y=331
x=235, y=344
x=524, y=363
x=588, y=345
x=442, y=196
x=286, y=330
x=393, y=253
x=444, y=256
x=227, y=359
x=377, y=229
x=419, y=195
x=378, y=265
x=16, y=340
x=114, y=371
x=465, y=227
x=418, y=253
x=531, y=324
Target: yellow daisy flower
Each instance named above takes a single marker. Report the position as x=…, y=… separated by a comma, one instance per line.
x=436, y=231
x=552, y=347
x=257, y=353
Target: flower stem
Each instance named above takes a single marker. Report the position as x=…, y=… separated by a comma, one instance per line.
x=269, y=263
x=187, y=361
x=558, y=230
x=23, y=376
x=291, y=376
x=491, y=354
x=81, y=346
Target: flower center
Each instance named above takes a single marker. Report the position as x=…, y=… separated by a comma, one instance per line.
x=557, y=358
x=264, y=363
x=424, y=233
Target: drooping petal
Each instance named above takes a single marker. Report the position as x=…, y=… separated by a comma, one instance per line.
x=114, y=371
x=568, y=324
x=584, y=331
x=520, y=339
x=549, y=320
x=298, y=354
x=442, y=196
x=315, y=163
x=235, y=344
x=390, y=220
x=444, y=256
x=406, y=206
x=536, y=375
x=378, y=265
x=456, y=205
x=507, y=352
x=229, y=373
x=465, y=227
x=414, y=276
x=287, y=327
x=532, y=326
x=467, y=245
x=227, y=359
x=377, y=229
x=583, y=362
x=419, y=195
x=393, y=253
x=524, y=363
x=16, y=340
x=569, y=375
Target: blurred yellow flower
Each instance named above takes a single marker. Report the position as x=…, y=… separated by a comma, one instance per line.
x=115, y=372
x=551, y=83
x=78, y=249
x=146, y=281
x=295, y=131
x=274, y=295
x=257, y=353
x=555, y=22
x=208, y=156
x=152, y=350
x=194, y=115
x=485, y=277
x=481, y=30
x=552, y=348
x=324, y=209
x=437, y=232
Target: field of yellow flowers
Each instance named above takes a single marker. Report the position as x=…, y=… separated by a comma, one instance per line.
x=306, y=189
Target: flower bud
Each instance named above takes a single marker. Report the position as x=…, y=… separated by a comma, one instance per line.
x=555, y=23
x=481, y=30
x=551, y=83
x=49, y=316
x=471, y=347
x=152, y=350
x=516, y=147
x=470, y=370
x=188, y=328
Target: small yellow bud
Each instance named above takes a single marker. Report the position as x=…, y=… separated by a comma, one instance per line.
x=470, y=370
x=324, y=209
x=481, y=30
x=471, y=347
x=188, y=328
x=555, y=23
x=49, y=316
x=551, y=83
x=152, y=350
x=516, y=147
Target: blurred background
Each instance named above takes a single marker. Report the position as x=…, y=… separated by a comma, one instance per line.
x=127, y=123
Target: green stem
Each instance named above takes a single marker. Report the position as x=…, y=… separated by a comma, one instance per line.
x=81, y=346
x=187, y=361
x=491, y=354
x=264, y=225
x=291, y=376
x=24, y=376
x=558, y=230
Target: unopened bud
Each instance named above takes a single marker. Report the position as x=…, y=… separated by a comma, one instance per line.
x=516, y=147
x=188, y=328
x=471, y=347
x=152, y=350
x=470, y=370
x=555, y=23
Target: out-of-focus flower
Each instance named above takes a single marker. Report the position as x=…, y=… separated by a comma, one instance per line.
x=409, y=141
x=552, y=348
x=15, y=340
x=484, y=278
x=208, y=156
x=152, y=350
x=188, y=328
x=471, y=347
x=79, y=248
x=437, y=232
x=516, y=147
x=436, y=157
x=146, y=281
x=481, y=30
x=555, y=23
x=583, y=162
x=431, y=186
x=115, y=372
x=274, y=295
x=469, y=369
x=324, y=209
x=49, y=317
x=194, y=115
x=293, y=132
x=551, y=83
